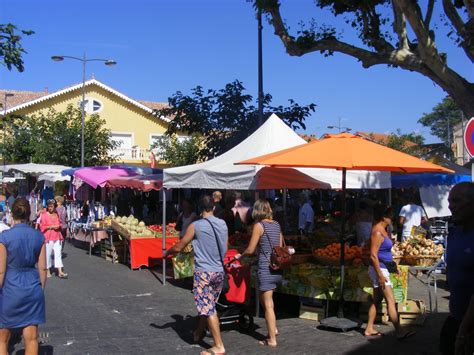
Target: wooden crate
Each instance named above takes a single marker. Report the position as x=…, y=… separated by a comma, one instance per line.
x=412, y=312
x=115, y=252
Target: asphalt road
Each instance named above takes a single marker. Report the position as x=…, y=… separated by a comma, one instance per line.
x=106, y=308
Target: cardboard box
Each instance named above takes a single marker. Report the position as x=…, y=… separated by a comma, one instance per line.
x=312, y=312
x=411, y=312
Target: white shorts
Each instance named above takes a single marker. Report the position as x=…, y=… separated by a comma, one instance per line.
x=375, y=278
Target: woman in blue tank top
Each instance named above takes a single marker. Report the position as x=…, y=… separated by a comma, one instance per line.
x=266, y=234
x=380, y=257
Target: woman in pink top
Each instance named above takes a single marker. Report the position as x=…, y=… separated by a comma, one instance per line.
x=50, y=226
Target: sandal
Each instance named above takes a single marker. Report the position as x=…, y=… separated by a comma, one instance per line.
x=63, y=275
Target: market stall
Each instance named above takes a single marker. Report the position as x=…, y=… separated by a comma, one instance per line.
x=144, y=243
x=345, y=151
x=222, y=173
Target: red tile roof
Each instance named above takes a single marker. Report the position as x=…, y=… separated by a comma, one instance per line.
x=19, y=97
x=22, y=97
x=382, y=138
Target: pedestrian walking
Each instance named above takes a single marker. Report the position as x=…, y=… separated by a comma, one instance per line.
x=411, y=215
x=381, y=265
x=21, y=283
x=457, y=333
x=266, y=234
x=209, y=237
x=50, y=226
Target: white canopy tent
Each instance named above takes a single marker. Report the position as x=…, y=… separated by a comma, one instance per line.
x=53, y=177
x=34, y=169
x=273, y=135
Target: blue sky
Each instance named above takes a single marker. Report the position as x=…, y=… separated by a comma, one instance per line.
x=165, y=46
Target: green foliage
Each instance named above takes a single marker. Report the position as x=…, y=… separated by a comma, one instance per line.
x=403, y=142
x=177, y=152
x=11, y=49
x=224, y=117
x=444, y=113
x=55, y=138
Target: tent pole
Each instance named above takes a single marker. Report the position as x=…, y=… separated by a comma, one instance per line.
x=284, y=209
x=340, y=311
x=163, y=236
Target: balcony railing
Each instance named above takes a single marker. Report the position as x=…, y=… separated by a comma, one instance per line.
x=131, y=153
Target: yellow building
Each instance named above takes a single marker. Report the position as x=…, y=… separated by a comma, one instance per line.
x=130, y=121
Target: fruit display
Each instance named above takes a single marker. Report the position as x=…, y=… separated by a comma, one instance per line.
x=331, y=254
x=132, y=226
x=157, y=230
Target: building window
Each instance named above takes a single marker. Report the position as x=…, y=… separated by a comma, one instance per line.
x=92, y=105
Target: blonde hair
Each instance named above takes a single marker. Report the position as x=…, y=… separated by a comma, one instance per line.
x=262, y=210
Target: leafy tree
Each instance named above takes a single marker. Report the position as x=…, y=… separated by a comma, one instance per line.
x=397, y=33
x=55, y=138
x=11, y=49
x=410, y=143
x=444, y=115
x=177, y=152
x=224, y=117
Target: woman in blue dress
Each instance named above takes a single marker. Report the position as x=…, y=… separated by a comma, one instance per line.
x=21, y=283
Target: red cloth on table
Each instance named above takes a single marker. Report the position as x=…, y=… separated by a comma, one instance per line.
x=147, y=251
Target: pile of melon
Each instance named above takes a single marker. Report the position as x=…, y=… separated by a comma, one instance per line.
x=133, y=226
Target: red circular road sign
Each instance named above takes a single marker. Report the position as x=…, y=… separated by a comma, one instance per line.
x=469, y=137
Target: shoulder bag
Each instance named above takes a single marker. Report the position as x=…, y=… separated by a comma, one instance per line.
x=280, y=257
x=225, y=284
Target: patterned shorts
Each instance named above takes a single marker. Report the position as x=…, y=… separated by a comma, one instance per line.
x=207, y=288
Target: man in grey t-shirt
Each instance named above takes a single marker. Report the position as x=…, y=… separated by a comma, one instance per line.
x=209, y=237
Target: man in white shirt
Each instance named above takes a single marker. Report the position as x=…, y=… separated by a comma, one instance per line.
x=305, y=215
x=411, y=215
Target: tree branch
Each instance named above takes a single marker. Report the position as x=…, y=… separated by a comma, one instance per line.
x=399, y=26
x=465, y=31
x=429, y=13
x=470, y=8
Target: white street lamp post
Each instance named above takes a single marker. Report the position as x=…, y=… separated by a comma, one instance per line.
x=83, y=60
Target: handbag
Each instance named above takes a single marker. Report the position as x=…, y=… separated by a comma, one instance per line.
x=225, y=282
x=391, y=266
x=280, y=258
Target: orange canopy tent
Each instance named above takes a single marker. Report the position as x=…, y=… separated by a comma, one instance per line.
x=345, y=151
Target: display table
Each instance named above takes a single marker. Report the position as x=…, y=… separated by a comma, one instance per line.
x=323, y=282
x=316, y=281
x=147, y=251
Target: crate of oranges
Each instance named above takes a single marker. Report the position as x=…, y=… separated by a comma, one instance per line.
x=331, y=254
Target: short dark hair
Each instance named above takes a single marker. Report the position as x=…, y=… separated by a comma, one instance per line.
x=381, y=211
x=21, y=209
x=206, y=204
